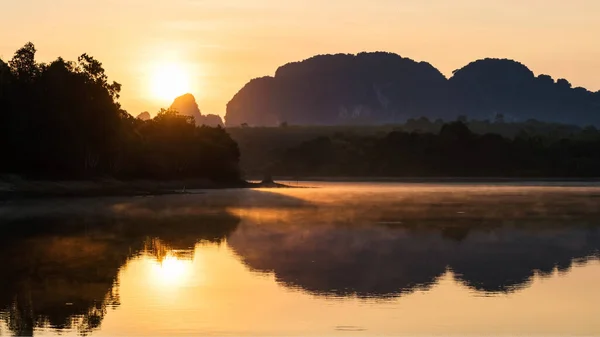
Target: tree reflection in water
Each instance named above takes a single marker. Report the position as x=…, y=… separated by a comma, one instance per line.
x=61, y=272
x=60, y=262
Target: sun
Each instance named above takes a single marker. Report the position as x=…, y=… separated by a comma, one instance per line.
x=169, y=80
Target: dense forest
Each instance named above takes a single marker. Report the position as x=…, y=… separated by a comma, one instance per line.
x=288, y=150
x=62, y=120
x=455, y=151
x=384, y=88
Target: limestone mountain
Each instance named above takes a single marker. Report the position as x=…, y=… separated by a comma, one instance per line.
x=377, y=88
x=186, y=105
x=489, y=87
x=343, y=88
x=144, y=116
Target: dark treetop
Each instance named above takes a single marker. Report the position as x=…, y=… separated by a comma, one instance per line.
x=62, y=120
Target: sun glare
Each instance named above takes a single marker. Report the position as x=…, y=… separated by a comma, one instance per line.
x=171, y=271
x=169, y=81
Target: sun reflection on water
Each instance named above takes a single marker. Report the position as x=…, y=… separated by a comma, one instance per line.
x=171, y=271
x=317, y=262
x=168, y=268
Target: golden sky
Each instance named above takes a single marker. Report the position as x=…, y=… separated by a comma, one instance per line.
x=218, y=45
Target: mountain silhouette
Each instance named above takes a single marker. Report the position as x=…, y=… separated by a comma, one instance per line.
x=186, y=105
x=144, y=116
x=486, y=88
x=374, y=88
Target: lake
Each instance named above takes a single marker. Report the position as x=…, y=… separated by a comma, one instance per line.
x=339, y=259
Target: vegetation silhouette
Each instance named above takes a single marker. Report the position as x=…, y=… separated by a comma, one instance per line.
x=262, y=148
x=60, y=270
x=171, y=146
x=378, y=88
x=62, y=120
x=455, y=151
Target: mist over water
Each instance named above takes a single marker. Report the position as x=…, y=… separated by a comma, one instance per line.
x=336, y=259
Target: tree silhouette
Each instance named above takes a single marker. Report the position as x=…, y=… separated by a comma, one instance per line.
x=23, y=63
x=63, y=120
x=455, y=151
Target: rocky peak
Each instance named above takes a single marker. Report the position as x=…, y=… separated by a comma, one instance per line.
x=186, y=105
x=144, y=116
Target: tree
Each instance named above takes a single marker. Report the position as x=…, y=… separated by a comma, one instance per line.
x=6, y=79
x=5, y=76
x=23, y=63
x=94, y=73
x=5, y=111
x=456, y=132
x=63, y=120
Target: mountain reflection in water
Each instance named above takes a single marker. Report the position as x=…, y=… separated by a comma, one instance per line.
x=61, y=259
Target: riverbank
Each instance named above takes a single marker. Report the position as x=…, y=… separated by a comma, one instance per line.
x=14, y=187
x=20, y=188
x=438, y=179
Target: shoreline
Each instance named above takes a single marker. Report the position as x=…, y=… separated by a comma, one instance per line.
x=438, y=179
x=25, y=189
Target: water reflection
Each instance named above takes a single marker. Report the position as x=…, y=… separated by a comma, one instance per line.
x=62, y=260
x=383, y=262
x=60, y=266
x=171, y=267
x=401, y=240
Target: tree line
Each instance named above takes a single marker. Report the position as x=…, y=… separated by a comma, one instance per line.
x=455, y=151
x=263, y=147
x=62, y=120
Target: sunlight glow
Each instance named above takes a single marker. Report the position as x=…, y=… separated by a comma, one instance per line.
x=169, y=80
x=171, y=271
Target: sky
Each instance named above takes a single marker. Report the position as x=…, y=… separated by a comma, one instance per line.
x=214, y=47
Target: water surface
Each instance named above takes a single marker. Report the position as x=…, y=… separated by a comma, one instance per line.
x=343, y=259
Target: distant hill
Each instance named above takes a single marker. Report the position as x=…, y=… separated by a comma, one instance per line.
x=485, y=88
x=377, y=88
x=186, y=105
x=144, y=116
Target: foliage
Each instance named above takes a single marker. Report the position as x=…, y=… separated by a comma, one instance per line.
x=455, y=151
x=63, y=120
x=261, y=147
x=171, y=146
x=422, y=148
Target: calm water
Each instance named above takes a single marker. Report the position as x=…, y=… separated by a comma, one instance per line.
x=342, y=259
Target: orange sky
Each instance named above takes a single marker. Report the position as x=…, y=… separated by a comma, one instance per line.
x=221, y=44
